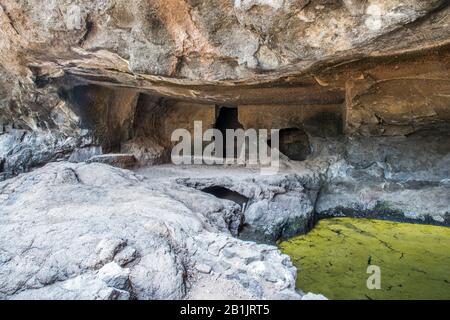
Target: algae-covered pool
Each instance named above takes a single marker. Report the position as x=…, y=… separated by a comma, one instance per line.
x=333, y=258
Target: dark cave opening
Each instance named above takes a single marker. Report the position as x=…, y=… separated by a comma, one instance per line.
x=227, y=194
x=294, y=143
x=227, y=117
x=81, y=99
x=107, y=112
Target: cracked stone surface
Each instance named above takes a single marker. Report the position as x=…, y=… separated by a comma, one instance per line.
x=294, y=52
x=216, y=40
x=279, y=205
x=92, y=231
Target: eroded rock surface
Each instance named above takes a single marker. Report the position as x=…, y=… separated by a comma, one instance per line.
x=73, y=72
x=91, y=231
x=401, y=178
x=217, y=39
x=278, y=206
x=360, y=90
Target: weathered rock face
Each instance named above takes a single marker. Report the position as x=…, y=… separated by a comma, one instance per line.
x=360, y=90
x=275, y=207
x=217, y=40
x=71, y=71
x=395, y=178
x=91, y=231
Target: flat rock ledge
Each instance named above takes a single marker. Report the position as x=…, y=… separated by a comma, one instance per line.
x=125, y=161
x=93, y=231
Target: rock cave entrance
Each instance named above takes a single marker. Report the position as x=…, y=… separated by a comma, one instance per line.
x=294, y=143
x=227, y=117
x=107, y=112
x=130, y=122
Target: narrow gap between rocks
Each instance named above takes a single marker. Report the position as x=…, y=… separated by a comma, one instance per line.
x=227, y=194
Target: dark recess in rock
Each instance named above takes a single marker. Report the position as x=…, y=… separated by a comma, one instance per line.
x=227, y=194
x=227, y=118
x=294, y=143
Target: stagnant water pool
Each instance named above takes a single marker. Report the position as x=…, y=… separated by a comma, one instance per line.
x=333, y=258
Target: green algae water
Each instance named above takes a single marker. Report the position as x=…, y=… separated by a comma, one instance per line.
x=332, y=259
